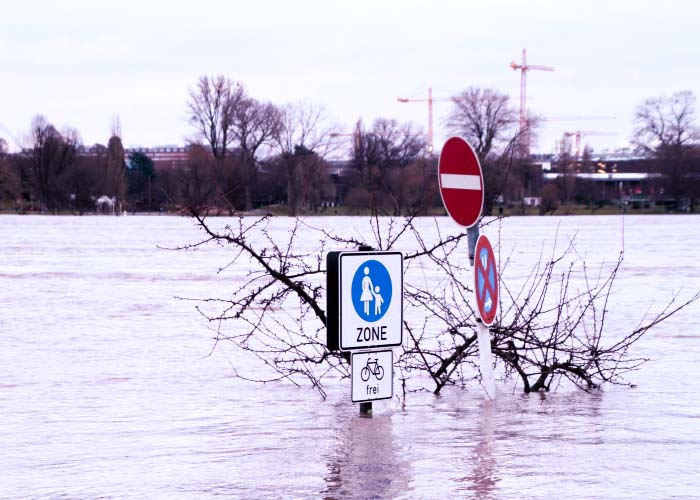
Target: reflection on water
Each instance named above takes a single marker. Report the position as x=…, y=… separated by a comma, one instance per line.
x=481, y=463
x=365, y=463
x=108, y=388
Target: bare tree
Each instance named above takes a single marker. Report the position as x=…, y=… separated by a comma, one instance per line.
x=380, y=159
x=50, y=153
x=255, y=125
x=484, y=117
x=10, y=184
x=388, y=144
x=211, y=108
x=83, y=180
x=304, y=142
x=666, y=124
x=666, y=129
x=307, y=180
x=114, y=180
x=167, y=187
x=551, y=328
x=196, y=180
x=564, y=186
x=215, y=108
x=305, y=124
x=551, y=198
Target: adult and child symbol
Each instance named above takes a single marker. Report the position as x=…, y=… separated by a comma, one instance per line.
x=369, y=294
x=371, y=290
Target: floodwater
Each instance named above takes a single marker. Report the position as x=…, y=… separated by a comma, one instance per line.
x=109, y=388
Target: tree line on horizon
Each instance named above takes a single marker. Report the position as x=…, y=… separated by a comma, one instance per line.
x=246, y=153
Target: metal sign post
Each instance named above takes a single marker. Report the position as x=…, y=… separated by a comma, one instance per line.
x=486, y=294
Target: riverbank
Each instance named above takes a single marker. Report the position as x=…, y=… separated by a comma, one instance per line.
x=506, y=211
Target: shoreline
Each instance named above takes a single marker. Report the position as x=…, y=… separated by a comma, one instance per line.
x=571, y=211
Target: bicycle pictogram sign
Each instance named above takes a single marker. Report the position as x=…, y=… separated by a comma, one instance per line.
x=372, y=375
x=372, y=368
x=485, y=280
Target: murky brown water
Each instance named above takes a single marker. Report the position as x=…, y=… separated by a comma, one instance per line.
x=107, y=389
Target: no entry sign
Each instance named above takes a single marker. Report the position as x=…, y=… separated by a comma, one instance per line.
x=461, y=182
x=485, y=280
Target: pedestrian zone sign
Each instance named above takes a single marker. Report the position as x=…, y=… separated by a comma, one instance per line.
x=369, y=299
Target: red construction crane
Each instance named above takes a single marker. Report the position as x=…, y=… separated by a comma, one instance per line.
x=576, y=118
x=429, y=100
x=524, y=67
x=581, y=133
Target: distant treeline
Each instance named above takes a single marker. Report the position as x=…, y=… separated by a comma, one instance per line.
x=249, y=154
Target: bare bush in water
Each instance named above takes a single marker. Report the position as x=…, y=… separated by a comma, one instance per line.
x=550, y=328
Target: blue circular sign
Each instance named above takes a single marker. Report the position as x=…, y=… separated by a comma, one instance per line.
x=485, y=280
x=371, y=290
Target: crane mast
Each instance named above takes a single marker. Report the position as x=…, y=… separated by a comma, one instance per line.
x=524, y=67
x=430, y=101
x=578, y=135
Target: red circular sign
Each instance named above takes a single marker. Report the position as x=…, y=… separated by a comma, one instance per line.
x=461, y=182
x=485, y=280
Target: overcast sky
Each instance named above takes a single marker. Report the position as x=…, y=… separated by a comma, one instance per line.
x=81, y=62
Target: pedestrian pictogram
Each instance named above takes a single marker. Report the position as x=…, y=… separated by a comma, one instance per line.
x=485, y=280
x=371, y=290
x=365, y=300
x=461, y=182
x=372, y=374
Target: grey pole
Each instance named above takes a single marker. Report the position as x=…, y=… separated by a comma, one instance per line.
x=366, y=408
x=472, y=236
x=482, y=331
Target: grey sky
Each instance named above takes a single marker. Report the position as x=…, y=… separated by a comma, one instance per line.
x=81, y=62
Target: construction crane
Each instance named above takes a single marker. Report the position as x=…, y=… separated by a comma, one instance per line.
x=576, y=118
x=524, y=67
x=430, y=101
x=581, y=133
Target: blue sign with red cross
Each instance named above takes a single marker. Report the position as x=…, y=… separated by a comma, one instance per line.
x=485, y=280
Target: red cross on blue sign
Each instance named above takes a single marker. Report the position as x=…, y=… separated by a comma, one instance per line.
x=485, y=280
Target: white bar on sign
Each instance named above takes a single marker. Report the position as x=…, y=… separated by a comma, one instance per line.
x=458, y=181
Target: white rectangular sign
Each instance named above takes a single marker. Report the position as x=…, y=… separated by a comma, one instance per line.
x=372, y=376
x=371, y=299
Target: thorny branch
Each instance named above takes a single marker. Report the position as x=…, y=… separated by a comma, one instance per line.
x=550, y=328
